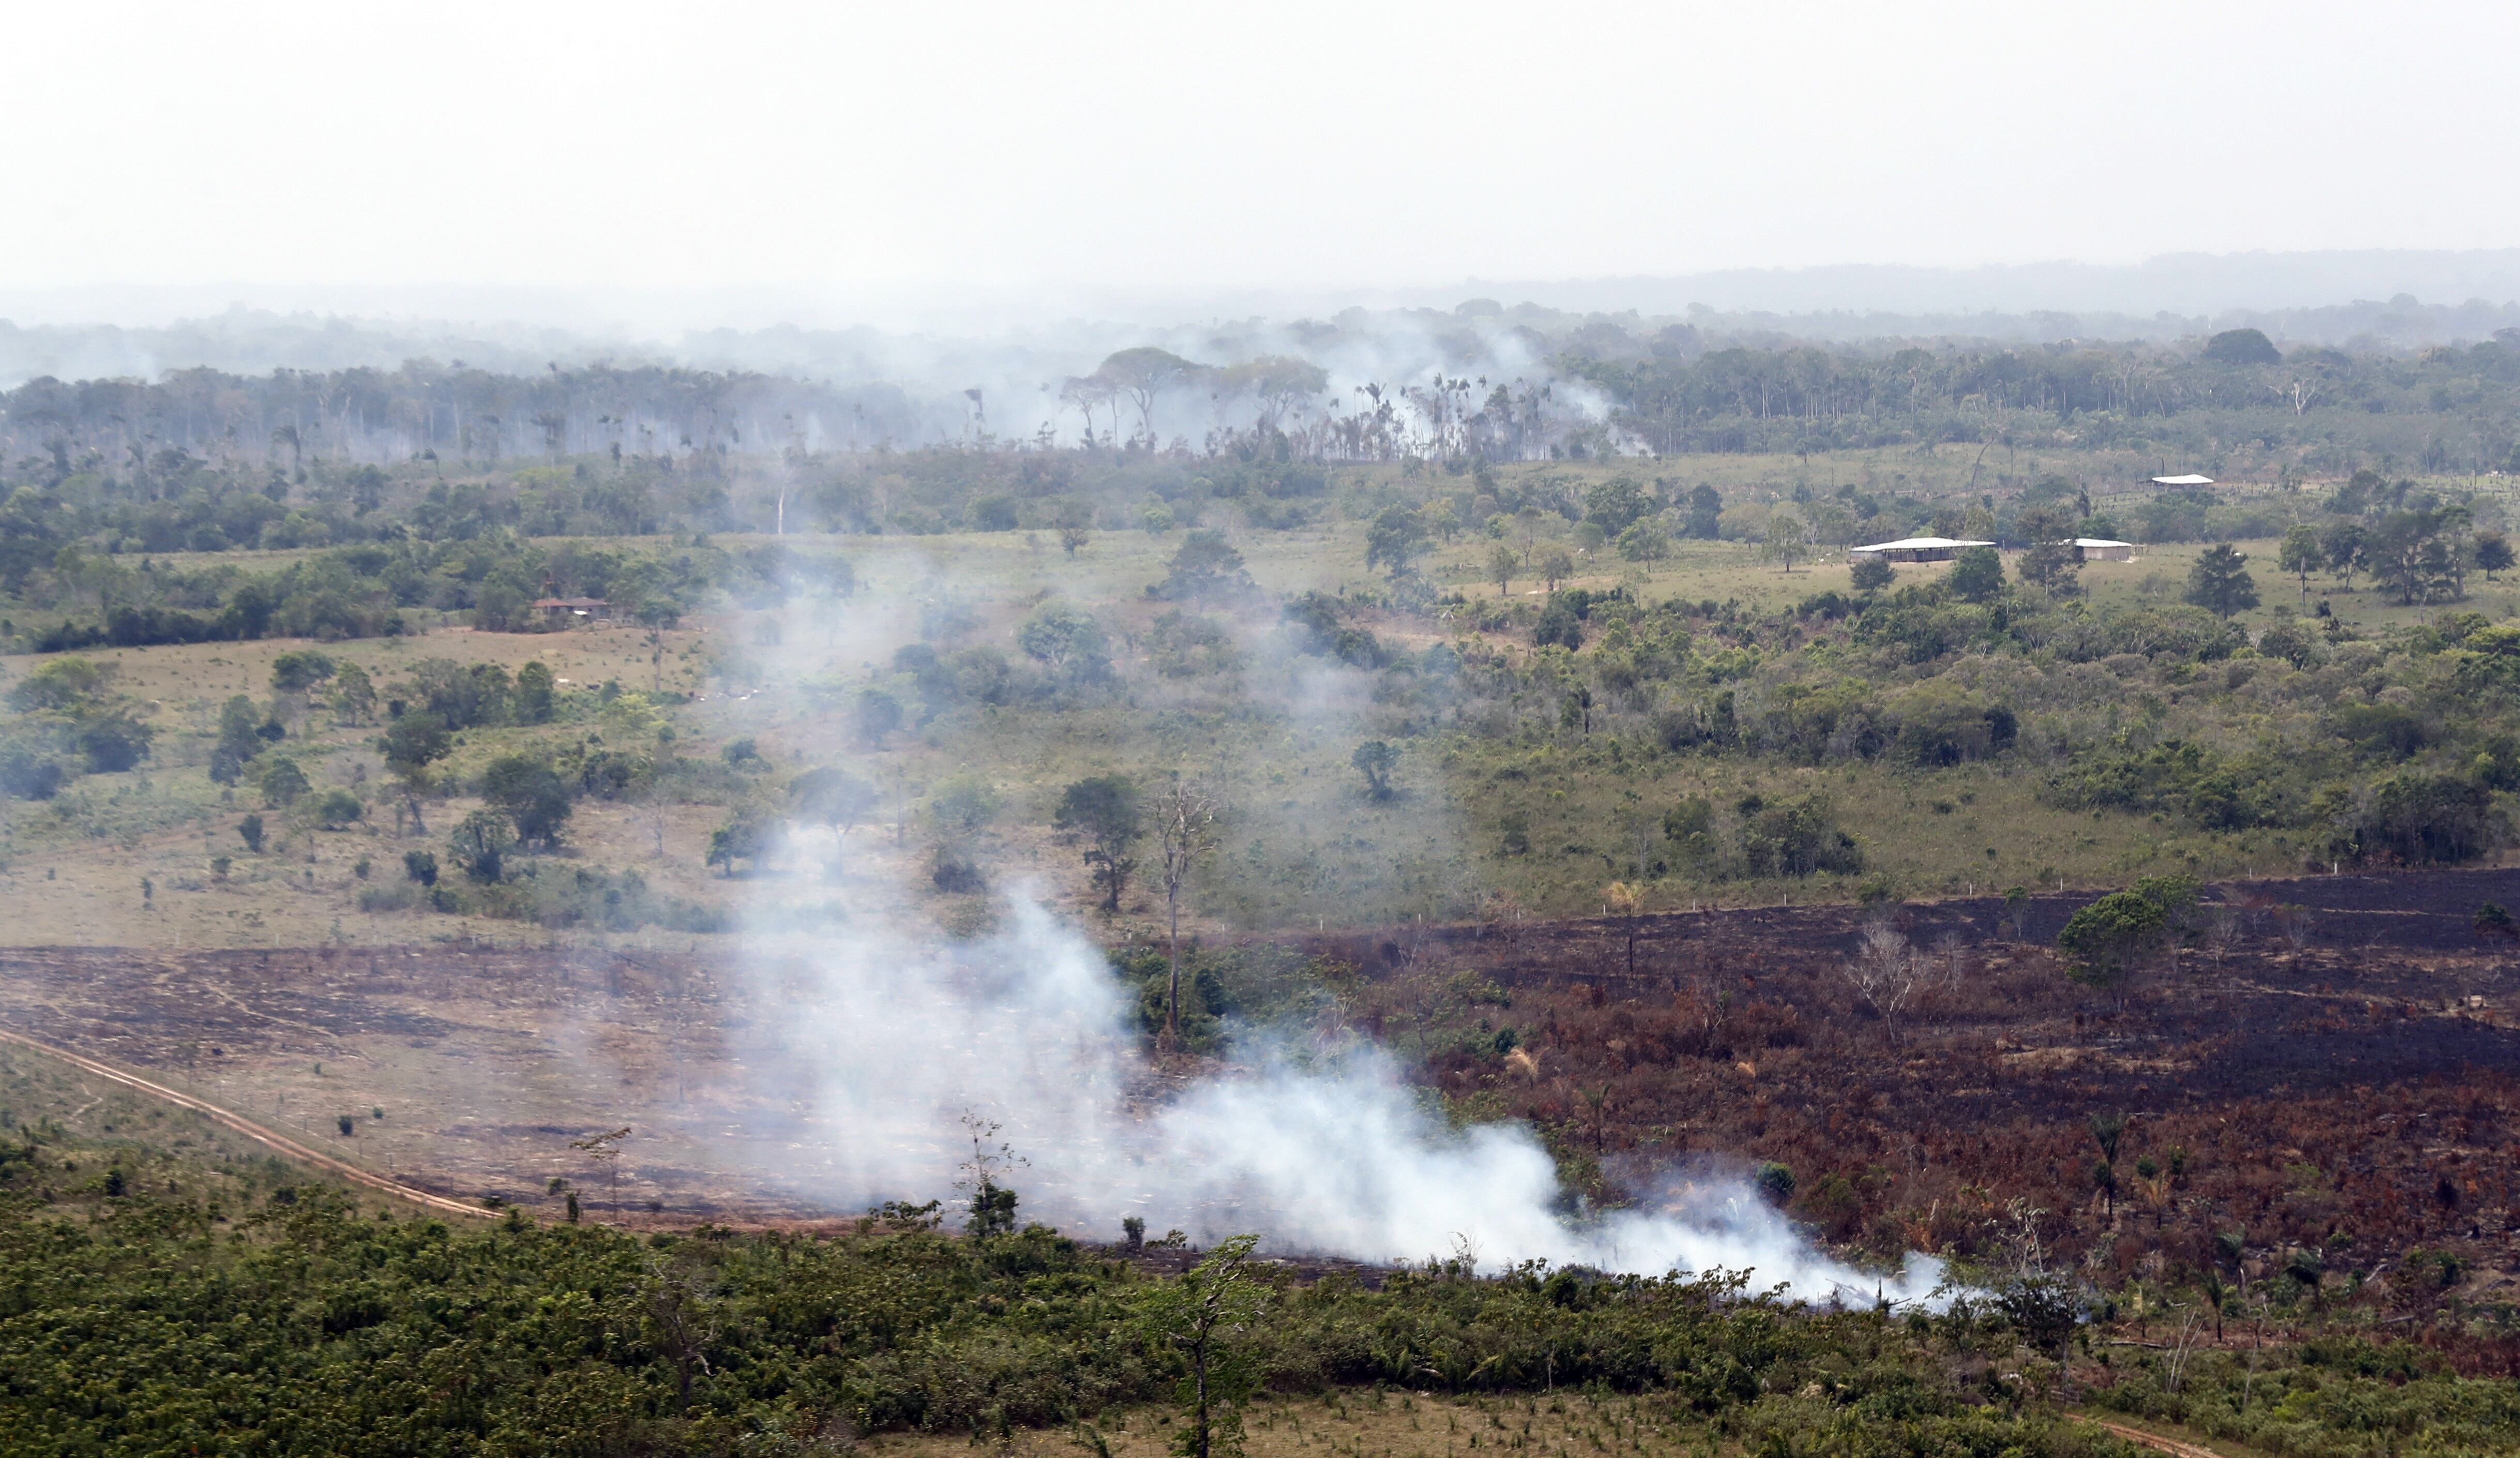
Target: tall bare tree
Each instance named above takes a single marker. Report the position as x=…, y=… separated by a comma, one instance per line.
x=1185, y=828
x=1887, y=972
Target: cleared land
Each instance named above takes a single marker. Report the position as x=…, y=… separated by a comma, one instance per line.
x=2350, y=1068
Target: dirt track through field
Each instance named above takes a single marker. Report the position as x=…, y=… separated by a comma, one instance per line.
x=2153, y=1440
x=250, y=1129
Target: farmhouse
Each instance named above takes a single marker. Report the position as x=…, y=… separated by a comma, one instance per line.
x=566, y=612
x=2101, y=549
x=1918, y=549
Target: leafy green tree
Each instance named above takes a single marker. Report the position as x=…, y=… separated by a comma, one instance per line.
x=1645, y=541
x=419, y=867
x=282, y=782
x=249, y=831
x=535, y=797
x=65, y=684
x=2420, y=554
x=1075, y=522
x=2220, y=582
x=411, y=745
x=1143, y=376
x=2348, y=548
x=1503, y=563
x=1872, y=573
x=1205, y=568
x=1616, y=504
x=1786, y=540
x=237, y=744
x=2048, y=557
x=2242, y=346
x=1705, y=514
x=964, y=805
x=835, y=800
x=296, y=672
x=1374, y=760
x=742, y=838
x=1207, y=1320
x=1103, y=812
x=877, y=716
x=1396, y=540
x=1554, y=565
x=2493, y=552
x=480, y=843
x=1977, y=575
x=354, y=696
x=531, y=701
x=111, y=738
x=2114, y=936
x=2301, y=554
x=338, y=810
x=2045, y=1309
x=1065, y=640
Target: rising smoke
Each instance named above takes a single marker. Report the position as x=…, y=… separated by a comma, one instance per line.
x=892, y=1036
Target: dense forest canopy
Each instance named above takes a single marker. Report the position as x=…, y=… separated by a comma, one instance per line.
x=1485, y=386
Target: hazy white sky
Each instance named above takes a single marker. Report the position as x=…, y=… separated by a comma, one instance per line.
x=1174, y=148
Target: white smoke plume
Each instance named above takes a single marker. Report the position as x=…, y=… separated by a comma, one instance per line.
x=891, y=1037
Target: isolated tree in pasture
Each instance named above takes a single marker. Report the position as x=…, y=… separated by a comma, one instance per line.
x=1872, y=573
x=1074, y=523
x=1065, y=640
x=531, y=794
x=2301, y=554
x=411, y=743
x=742, y=836
x=2220, y=582
x=1786, y=540
x=1554, y=564
x=1375, y=759
x=1205, y=568
x=1396, y=540
x=2112, y=938
x=1503, y=563
x=1104, y=813
x=835, y=800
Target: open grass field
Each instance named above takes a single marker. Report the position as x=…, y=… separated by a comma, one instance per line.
x=1273, y=737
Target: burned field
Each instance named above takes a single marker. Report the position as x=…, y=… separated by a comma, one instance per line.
x=2331, y=1067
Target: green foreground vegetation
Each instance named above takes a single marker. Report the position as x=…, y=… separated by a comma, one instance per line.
x=135, y=1322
